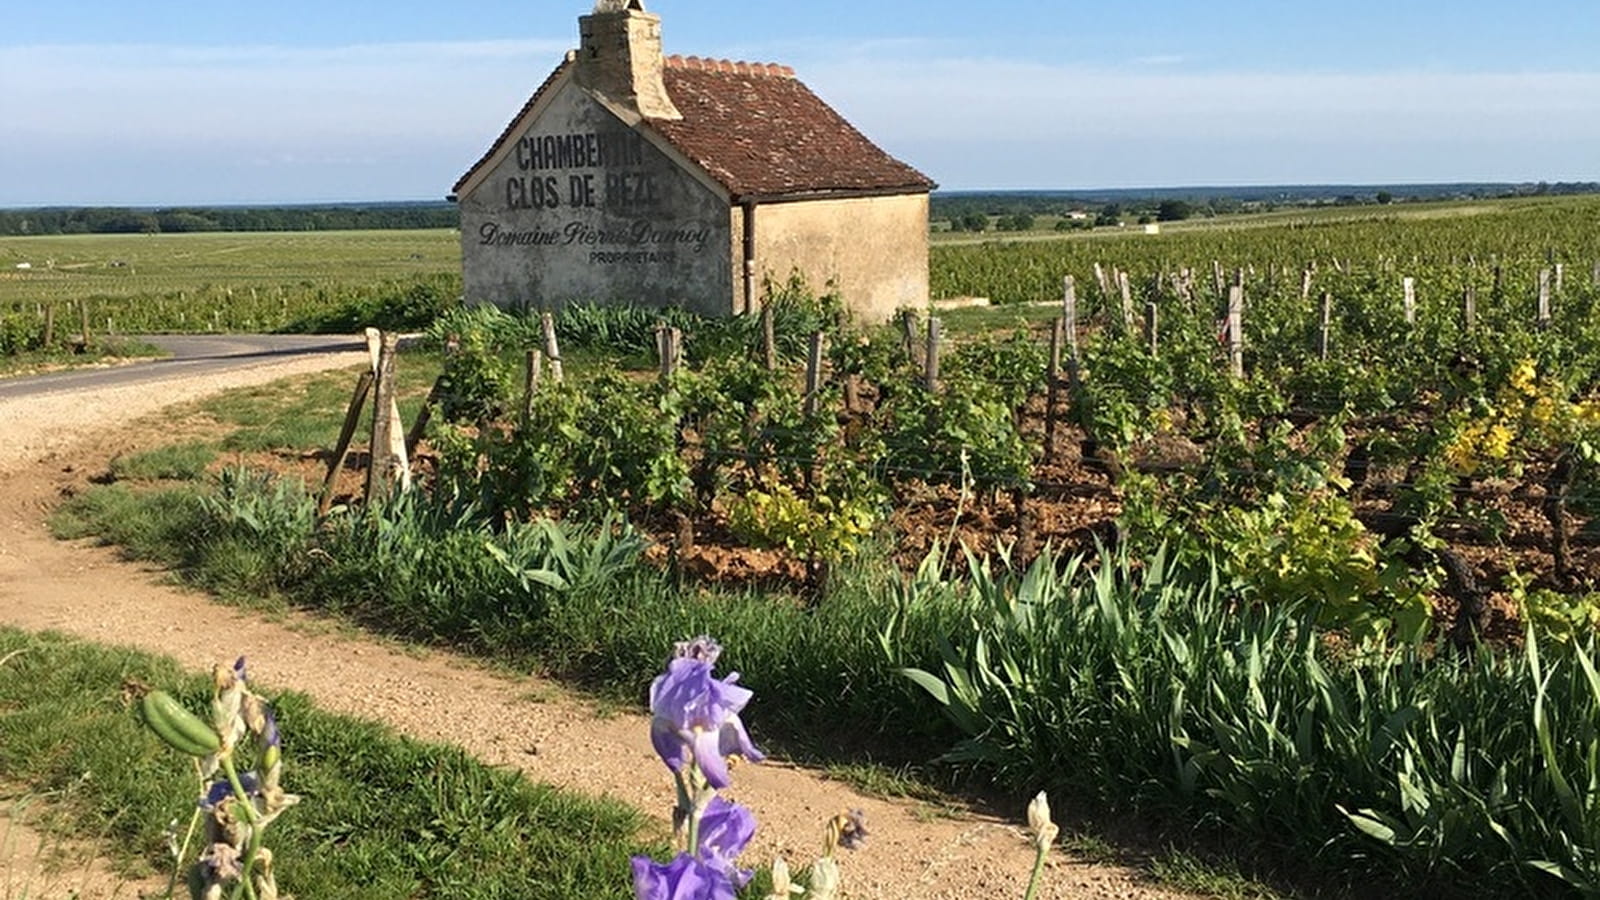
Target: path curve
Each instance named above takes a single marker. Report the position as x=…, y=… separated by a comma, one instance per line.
x=41, y=415
x=535, y=726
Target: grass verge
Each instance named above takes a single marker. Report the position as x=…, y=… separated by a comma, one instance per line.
x=383, y=816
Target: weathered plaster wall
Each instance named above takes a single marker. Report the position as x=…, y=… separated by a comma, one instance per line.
x=875, y=249
x=585, y=209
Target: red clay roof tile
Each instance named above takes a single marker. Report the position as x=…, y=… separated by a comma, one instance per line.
x=759, y=132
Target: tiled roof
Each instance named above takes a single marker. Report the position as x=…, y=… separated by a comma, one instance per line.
x=759, y=131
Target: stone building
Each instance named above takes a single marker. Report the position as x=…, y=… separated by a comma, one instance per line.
x=666, y=181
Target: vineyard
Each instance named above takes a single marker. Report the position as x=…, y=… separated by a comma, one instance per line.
x=68, y=291
x=1408, y=445
x=1289, y=534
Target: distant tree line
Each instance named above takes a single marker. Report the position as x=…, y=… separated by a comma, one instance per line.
x=123, y=220
x=1017, y=210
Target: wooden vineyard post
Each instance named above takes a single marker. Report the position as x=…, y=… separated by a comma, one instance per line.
x=1052, y=384
x=1594, y=274
x=669, y=349
x=819, y=343
x=341, y=450
x=420, y=426
x=1560, y=276
x=930, y=362
x=385, y=468
x=83, y=322
x=1126, y=291
x=552, y=349
x=1469, y=307
x=49, y=326
x=1216, y=277
x=1236, y=331
x=1544, y=298
x=532, y=369
x=1069, y=316
x=1305, y=284
x=1101, y=280
x=769, y=340
x=908, y=336
x=1324, y=338
x=1409, y=286
x=1151, y=335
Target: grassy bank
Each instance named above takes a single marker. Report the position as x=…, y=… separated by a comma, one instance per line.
x=383, y=816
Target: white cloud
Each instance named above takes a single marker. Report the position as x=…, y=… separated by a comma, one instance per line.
x=88, y=123
x=1016, y=122
x=268, y=95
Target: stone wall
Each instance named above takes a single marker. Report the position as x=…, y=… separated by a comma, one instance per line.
x=580, y=207
x=875, y=249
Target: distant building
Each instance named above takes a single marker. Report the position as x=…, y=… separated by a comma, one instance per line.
x=629, y=177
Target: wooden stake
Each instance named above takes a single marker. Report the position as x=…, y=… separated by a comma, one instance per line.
x=552, y=349
x=668, y=341
x=819, y=342
x=1326, y=335
x=1236, y=331
x=424, y=416
x=1069, y=312
x=1052, y=381
x=1126, y=290
x=341, y=450
x=1150, y=329
x=83, y=321
x=532, y=370
x=1216, y=277
x=1469, y=307
x=769, y=340
x=930, y=362
x=1561, y=269
x=385, y=468
x=908, y=337
x=1544, y=298
x=49, y=326
x=1305, y=284
x=1409, y=285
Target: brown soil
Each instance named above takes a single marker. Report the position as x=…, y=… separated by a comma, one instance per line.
x=35, y=864
x=537, y=727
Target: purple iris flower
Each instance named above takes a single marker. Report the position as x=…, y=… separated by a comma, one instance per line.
x=270, y=737
x=685, y=878
x=239, y=670
x=221, y=790
x=725, y=829
x=697, y=715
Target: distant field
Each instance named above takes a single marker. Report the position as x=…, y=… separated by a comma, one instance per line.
x=268, y=281
x=77, y=267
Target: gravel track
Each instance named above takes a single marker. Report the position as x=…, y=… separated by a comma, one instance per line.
x=56, y=443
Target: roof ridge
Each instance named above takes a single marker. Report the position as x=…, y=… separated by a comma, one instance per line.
x=729, y=67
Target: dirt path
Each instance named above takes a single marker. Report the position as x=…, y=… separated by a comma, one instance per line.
x=536, y=726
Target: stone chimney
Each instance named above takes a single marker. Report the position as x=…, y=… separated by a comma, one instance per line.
x=620, y=58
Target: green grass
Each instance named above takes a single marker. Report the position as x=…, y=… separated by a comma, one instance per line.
x=106, y=351
x=175, y=462
x=383, y=816
x=305, y=414
x=217, y=267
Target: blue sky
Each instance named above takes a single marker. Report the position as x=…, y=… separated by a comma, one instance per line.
x=172, y=103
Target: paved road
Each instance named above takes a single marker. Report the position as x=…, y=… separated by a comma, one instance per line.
x=192, y=355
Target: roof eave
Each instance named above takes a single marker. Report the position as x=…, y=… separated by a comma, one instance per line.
x=834, y=194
